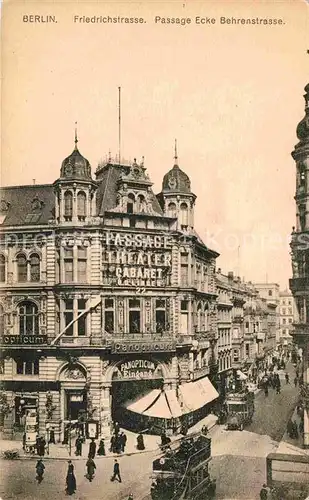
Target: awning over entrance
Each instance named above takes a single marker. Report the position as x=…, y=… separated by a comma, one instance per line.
x=241, y=375
x=195, y=395
x=142, y=404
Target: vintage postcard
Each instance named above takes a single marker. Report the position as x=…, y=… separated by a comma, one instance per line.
x=154, y=258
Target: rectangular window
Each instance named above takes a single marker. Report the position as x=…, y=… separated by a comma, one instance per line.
x=160, y=316
x=184, y=274
x=69, y=316
x=68, y=265
x=109, y=315
x=247, y=350
x=27, y=367
x=81, y=264
x=82, y=321
x=134, y=316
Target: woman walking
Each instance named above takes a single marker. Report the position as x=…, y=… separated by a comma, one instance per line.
x=70, y=479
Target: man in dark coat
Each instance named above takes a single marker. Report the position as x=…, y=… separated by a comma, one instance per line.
x=70, y=479
x=116, y=472
x=264, y=493
x=116, y=428
x=91, y=466
x=52, y=436
x=78, y=446
x=92, y=449
x=40, y=467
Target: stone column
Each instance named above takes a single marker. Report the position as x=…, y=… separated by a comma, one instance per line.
x=106, y=410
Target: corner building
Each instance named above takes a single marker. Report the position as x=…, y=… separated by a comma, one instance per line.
x=107, y=294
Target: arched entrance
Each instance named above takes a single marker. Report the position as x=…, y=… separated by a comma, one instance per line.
x=131, y=380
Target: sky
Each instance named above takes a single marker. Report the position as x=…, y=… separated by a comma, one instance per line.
x=232, y=95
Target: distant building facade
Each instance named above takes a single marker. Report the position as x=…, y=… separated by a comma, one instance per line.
x=287, y=317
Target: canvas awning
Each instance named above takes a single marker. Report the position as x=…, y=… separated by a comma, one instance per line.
x=141, y=404
x=158, y=404
x=241, y=375
x=195, y=395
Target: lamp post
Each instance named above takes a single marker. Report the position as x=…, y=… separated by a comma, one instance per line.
x=70, y=433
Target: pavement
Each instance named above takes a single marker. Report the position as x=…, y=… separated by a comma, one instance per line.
x=62, y=452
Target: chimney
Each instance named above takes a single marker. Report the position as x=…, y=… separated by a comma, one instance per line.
x=33, y=180
x=230, y=275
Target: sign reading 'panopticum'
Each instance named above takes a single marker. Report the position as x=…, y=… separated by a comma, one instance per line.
x=129, y=346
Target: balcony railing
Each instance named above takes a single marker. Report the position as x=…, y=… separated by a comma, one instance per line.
x=75, y=341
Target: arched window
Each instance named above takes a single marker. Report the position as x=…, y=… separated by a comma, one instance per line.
x=34, y=268
x=1, y=319
x=130, y=203
x=184, y=214
x=68, y=205
x=2, y=269
x=21, y=268
x=81, y=205
x=28, y=318
x=199, y=317
x=141, y=203
x=172, y=210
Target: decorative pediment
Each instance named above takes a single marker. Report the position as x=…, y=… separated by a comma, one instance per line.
x=73, y=373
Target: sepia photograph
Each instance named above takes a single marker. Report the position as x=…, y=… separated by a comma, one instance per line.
x=154, y=250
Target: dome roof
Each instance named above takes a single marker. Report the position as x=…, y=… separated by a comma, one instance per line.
x=176, y=181
x=75, y=166
x=302, y=130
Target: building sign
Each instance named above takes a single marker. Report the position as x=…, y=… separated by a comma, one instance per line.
x=128, y=346
x=136, y=369
x=137, y=260
x=24, y=339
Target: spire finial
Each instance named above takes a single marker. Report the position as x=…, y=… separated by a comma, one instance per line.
x=176, y=155
x=76, y=140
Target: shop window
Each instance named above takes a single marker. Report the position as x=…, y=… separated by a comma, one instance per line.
x=81, y=206
x=34, y=268
x=28, y=318
x=134, y=316
x=21, y=268
x=68, y=206
x=68, y=265
x=160, y=316
x=2, y=269
x=27, y=367
x=82, y=264
x=109, y=315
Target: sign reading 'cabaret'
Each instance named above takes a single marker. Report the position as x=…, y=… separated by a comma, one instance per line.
x=24, y=339
x=138, y=265
x=138, y=347
x=136, y=369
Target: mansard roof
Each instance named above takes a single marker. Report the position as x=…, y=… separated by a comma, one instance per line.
x=107, y=181
x=26, y=205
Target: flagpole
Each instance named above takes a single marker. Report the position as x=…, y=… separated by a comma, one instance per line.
x=119, y=124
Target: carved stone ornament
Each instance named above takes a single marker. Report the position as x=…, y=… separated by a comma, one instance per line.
x=36, y=204
x=105, y=364
x=4, y=206
x=73, y=374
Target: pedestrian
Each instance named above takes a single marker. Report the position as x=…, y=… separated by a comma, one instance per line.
x=113, y=442
x=70, y=479
x=124, y=441
x=40, y=467
x=52, y=436
x=78, y=446
x=116, y=473
x=287, y=378
x=92, y=448
x=266, y=390
x=101, y=449
x=295, y=381
x=91, y=466
x=140, y=442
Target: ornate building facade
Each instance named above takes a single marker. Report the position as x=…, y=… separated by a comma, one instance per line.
x=299, y=284
x=106, y=292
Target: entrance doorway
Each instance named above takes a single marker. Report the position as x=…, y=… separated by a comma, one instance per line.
x=76, y=405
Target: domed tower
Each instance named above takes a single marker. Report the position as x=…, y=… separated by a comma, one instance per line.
x=75, y=190
x=299, y=284
x=176, y=198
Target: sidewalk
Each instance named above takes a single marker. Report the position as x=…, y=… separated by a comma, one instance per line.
x=62, y=452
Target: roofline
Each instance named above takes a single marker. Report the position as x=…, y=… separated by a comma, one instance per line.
x=25, y=185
